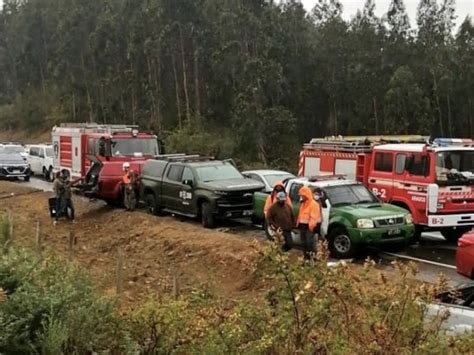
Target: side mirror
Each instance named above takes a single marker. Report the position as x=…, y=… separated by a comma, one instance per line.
x=432, y=200
x=188, y=182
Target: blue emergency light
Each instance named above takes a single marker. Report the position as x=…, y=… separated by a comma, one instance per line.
x=446, y=142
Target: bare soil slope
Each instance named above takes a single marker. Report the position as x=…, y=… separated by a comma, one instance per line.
x=156, y=249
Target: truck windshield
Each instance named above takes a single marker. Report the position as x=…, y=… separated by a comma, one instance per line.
x=454, y=166
x=218, y=172
x=129, y=147
x=349, y=194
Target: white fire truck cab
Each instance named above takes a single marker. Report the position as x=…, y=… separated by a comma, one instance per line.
x=433, y=180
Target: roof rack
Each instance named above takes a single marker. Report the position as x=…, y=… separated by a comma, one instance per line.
x=98, y=128
x=183, y=157
x=361, y=144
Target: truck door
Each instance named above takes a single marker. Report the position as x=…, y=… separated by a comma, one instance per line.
x=188, y=203
x=381, y=175
x=172, y=187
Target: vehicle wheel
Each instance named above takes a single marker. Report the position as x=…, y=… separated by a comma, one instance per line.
x=340, y=244
x=48, y=174
x=27, y=178
x=269, y=232
x=150, y=202
x=453, y=234
x=207, y=217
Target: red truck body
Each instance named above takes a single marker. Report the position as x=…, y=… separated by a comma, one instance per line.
x=95, y=154
x=435, y=181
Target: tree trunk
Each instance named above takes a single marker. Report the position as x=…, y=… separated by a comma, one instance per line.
x=73, y=106
x=157, y=76
x=450, y=121
x=176, y=85
x=196, y=89
x=438, y=105
x=471, y=129
x=374, y=100
x=185, y=77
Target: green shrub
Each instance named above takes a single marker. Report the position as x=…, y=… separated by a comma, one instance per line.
x=51, y=305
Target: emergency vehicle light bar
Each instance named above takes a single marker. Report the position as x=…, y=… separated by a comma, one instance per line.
x=367, y=140
x=446, y=142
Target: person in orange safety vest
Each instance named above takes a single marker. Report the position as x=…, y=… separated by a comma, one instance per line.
x=129, y=181
x=309, y=219
x=272, y=198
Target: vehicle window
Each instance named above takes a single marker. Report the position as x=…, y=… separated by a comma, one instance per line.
x=41, y=153
x=34, y=152
x=134, y=146
x=175, y=173
x=90, y=146
x=454, y=165
x=349, y=194
x=274, y=178
x=400, y=164
x=14, y=149
x=294, y=192
x=49, y=152
x=211, y=173
x=384, y=162
x=187, y=175
x=420, y=165
x=255, y=177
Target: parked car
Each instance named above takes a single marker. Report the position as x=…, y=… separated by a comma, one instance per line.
x=268, y=177
x=465, y=255
x=41, y=158
x=196, y=186
x=12, y=165
x=460, y=305
x=15, y=149
x=353, y=217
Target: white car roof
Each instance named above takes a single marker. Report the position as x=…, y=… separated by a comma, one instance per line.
x=325, y=183
x=264, y=172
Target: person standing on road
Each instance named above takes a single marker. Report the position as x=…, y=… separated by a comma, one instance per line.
x=58, y=189
x=67, y=205
x=129, y=181
x=272, y=198
x=309, y=217
x=280, y=217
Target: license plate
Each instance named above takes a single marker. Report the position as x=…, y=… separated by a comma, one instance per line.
x=248, y=213
x=394, y=231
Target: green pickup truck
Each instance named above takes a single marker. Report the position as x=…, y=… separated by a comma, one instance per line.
x=352, y=216
x=195, y=186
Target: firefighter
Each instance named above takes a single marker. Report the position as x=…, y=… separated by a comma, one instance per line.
x=129, y=181
x=280, y=218
x=58, y=189
x=309, y=217
x=66, y=204
x=272, y=198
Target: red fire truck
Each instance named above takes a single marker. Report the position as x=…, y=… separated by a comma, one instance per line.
x=95, y=154
x=434, y=180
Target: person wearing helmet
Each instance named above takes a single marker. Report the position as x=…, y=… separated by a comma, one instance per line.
x=280, y=218
x=272, y=198
x=309, y=217
x=129, y=181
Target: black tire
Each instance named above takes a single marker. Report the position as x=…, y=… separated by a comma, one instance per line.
x=207, y=217
x=453, y=234
x=340, y=244
x=27, y=178
x=151, y=206
x=48, y=174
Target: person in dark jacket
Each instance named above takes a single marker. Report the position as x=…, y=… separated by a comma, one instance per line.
x=280, y=217
x=58, y=189
x=67, y=204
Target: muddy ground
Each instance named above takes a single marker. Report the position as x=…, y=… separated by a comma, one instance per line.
x=156, y=250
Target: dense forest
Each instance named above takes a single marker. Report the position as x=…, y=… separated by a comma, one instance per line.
x=249, y=78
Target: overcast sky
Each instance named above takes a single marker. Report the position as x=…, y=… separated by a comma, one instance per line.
x=463, y=8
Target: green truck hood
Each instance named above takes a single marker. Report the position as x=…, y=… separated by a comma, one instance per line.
x=369, y=210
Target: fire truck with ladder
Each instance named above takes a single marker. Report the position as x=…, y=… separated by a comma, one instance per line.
x=434, y=180
x=94, y=154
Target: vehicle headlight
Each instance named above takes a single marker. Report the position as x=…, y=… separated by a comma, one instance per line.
x=409, y=219
x=365, y=223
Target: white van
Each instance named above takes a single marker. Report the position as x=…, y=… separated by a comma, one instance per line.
x=40, y=157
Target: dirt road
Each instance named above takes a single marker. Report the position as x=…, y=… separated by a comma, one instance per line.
x=156, y=249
